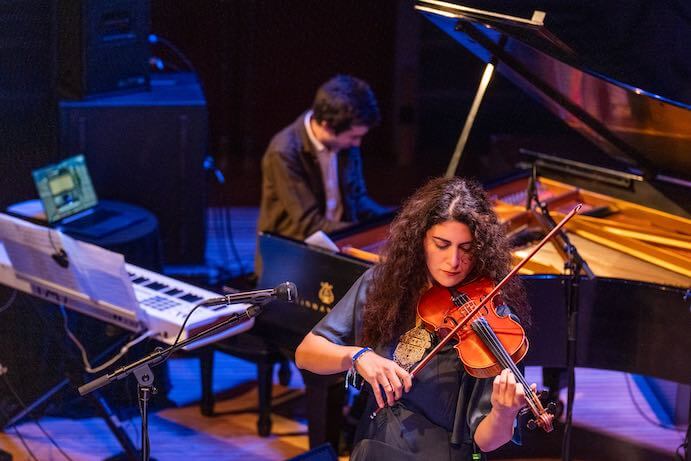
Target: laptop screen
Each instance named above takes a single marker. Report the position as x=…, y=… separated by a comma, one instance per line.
x=65, y=188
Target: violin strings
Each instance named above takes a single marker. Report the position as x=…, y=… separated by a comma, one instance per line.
x=468, y=304
x=489, y=334
x=489, y=337
x=498, y=349
x=485, y=331
x=495, y=344
x=465, y=299
x=492, y=341
x=530, y=397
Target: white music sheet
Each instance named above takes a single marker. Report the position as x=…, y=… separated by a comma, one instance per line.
x=321, y=240
x=102, y=272
x=92, y=272
x=30, y=249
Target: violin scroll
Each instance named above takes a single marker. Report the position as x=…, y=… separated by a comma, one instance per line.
x=542, y=416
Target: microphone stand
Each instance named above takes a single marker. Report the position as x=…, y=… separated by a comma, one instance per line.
x=145, y=378
x=574, y=265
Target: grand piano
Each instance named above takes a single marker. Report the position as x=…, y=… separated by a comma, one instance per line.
x=635, y=231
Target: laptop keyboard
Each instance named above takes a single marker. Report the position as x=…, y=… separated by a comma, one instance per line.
x=97, y=216
x=99, y=223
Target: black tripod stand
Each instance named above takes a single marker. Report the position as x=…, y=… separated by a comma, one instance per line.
x=71, y=377
x=574, y=267
x=145, y=377
x=96, y=400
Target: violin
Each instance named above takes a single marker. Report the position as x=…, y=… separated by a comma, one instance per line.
x=454, y=321
x=487, y=342
x=441, y=309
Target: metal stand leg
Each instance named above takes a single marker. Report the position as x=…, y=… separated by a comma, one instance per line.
x=265, y=377
x=145, y=380
x=100, y=404
x=206, y=361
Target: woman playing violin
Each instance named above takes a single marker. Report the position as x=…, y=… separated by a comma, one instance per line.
x=445, y=234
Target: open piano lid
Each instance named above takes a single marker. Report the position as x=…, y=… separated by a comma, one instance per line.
x=548, y=57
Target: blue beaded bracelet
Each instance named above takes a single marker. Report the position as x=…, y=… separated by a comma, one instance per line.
x=360, y=352
x=351, y=376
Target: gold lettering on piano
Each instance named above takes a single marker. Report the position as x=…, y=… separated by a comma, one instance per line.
x=326, y=293
x=315, y=306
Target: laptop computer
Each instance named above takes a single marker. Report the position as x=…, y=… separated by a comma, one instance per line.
x=70, y=202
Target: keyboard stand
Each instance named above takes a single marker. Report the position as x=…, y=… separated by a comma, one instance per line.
x=96, y=399
x=32, y=246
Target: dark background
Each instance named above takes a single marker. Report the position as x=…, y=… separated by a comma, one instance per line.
x=260, y=63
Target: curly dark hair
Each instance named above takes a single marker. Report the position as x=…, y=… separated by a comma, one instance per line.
x=345, y=101
x=398, y=280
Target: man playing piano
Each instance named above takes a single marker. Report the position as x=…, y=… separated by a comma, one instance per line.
x=445, y=234
x=312, y=170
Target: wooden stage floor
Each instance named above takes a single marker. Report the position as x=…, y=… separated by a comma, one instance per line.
x=603, y=406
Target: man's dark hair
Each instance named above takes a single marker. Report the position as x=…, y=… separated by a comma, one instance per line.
x=345, y=101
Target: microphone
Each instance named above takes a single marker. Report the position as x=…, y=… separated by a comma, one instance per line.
x=531, y=192
x=286, y=291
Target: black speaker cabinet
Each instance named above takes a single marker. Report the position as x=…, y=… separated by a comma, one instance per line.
x=28, y=113
x=102, y=46
x=148, y=148
x=60, y=48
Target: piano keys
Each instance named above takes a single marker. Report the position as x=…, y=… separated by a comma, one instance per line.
x=163, y=302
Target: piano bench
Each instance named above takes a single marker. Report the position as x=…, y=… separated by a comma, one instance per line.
x=255, y=349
